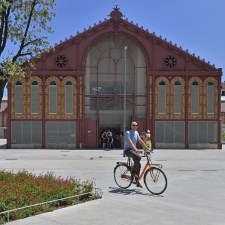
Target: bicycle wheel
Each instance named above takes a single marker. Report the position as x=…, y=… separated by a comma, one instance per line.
x=155, y=181
x=122, y=176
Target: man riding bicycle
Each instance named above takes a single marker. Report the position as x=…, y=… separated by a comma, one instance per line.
x=130, y=150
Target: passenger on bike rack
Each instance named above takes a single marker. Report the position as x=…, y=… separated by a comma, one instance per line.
x=130, y=150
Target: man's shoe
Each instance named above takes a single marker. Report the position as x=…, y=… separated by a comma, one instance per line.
x=139, y=185
x=124, y=176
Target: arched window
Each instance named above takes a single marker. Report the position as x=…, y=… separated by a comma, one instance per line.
x=34, y=97
x=177, y=97
x=69, y=97
x=162, y=98
x=19, y=97
x=195, y=98
x=210, y=98
x=52, y=97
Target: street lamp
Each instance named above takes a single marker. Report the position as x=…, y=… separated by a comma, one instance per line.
x=124, y=94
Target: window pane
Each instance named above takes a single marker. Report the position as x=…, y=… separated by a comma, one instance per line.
x=52, y=99
x=162, y=98
x=69, y=99
x=19, y=98
x=177, y=98
x=34, y=99
x=210, y=98
x=195, y=98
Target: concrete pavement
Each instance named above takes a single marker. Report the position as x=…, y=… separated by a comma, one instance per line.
x=195, y=193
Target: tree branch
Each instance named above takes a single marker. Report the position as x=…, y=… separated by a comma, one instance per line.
x=34, y=3
x=24, y=54
x=31, y=42
x=4, y=28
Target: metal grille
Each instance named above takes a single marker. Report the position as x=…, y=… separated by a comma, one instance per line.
x=69, y=99
x=19, y=98
x=162, y=99
x=177, y=99
x=202, y=132
x=52, y=99
x=210, y=99
x=61, y=134
x=169, y=132
x=195, y=99
x=26, y=133
x=34, y=99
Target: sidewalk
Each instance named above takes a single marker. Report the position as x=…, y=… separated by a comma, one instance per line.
x=195, y=193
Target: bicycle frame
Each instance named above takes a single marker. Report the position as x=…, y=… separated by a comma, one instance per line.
x=148, y=165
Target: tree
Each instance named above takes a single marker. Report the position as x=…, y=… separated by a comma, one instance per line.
x=23, y=24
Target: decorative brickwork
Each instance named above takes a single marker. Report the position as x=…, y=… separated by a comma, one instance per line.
x=150, y=96
x=81, y=97
x=60, y=85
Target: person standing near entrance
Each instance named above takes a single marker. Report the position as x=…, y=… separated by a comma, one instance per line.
x=131, y=137
x=148, y=141
x=104, y=139
x=109, y=139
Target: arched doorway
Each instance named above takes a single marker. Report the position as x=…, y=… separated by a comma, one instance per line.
x=104, y=84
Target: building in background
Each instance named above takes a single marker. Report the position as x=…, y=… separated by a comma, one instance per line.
x=77, y=91
x=3, y=118
x=223, y=111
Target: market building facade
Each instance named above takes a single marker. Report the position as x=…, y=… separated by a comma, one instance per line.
x=77, y=91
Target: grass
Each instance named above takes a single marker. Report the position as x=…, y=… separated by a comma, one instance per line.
x=24, y=189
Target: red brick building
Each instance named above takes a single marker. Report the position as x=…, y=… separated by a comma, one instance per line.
x=77, y=91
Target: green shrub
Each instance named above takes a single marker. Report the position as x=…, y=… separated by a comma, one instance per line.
x=24, y=188
x=223, y=136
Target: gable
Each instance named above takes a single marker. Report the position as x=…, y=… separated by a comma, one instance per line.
x=160, y=54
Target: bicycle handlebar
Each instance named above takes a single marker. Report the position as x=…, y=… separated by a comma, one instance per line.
x=145, y=153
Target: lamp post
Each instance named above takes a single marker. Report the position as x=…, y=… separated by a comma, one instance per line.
x=124, y=94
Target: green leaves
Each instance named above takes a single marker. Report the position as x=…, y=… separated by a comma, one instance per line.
x=23, y=25
x=12, y=70
x=24, y=188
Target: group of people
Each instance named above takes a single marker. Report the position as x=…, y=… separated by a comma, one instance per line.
x=107, y=140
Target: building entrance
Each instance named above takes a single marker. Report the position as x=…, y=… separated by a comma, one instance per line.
x=113, y=123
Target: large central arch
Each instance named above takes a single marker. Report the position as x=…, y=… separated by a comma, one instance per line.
x=104, y=82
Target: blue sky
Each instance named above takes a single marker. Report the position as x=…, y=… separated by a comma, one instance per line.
x=196, y=25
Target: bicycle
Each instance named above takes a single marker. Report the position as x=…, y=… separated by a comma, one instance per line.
x=154, y=178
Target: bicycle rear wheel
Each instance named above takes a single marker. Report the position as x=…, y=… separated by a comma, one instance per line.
x=155, y=181
x=122, y=176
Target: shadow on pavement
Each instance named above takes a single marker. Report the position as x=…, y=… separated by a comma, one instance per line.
x=3, y=146
x=128, y=191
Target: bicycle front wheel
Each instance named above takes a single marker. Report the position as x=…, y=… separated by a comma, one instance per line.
x=122, y=176
x=155, y=181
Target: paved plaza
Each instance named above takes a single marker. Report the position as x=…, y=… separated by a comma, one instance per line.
x=195, y=193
